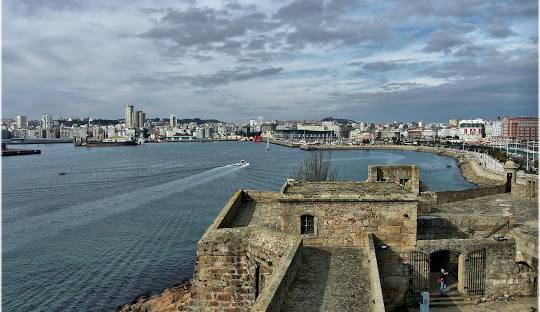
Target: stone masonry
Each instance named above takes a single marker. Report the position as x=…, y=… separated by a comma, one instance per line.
x=260, y=253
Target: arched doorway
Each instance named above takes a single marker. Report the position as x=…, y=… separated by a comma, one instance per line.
x=453, y=263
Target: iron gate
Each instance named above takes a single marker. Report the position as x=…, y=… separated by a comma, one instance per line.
x=420, y=272
x=475, y=272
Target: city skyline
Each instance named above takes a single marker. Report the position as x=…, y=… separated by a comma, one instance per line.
x=284, y=60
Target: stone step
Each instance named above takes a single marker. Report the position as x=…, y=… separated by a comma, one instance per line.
x=446, y=298
x=450, y=303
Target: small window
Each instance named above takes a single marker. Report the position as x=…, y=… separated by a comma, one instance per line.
x=307, y=224
x=403, y=181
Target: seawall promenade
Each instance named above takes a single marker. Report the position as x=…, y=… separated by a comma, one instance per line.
x=471, y=168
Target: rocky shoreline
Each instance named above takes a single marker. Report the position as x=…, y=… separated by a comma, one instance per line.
x=172, y=299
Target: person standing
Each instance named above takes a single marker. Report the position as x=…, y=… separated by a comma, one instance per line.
x=442, y=282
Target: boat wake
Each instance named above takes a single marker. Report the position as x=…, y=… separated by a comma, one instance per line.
x=33, y=228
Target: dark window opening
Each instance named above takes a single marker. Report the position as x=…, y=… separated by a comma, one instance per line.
x=402, y=182
x=508, y=182
x=307, y=224
x=257, y=280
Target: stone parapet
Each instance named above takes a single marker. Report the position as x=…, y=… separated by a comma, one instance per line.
x=237, y=266
x=459, y=226
x=377, y=300
x=280, y=281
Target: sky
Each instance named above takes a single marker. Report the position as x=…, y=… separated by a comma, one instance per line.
x=303, y=59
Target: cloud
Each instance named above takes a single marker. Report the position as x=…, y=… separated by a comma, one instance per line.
x=500, y=31
x=221, y=77
x=367, y=59
x=206, y=28
x=443, y=41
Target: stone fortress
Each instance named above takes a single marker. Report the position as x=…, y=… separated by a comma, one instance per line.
x=373, y=245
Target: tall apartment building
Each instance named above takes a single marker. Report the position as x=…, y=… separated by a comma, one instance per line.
x=520, y=128
x=173, y=121
x=22, y=122
x=128, y=116
x=139, y=119
x=46, y=124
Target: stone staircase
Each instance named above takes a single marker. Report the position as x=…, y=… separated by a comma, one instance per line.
x=450, y=300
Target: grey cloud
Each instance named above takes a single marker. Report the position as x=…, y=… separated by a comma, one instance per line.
x=230, y=47
x=196, y=27
x=500, y=31
x=381, y=66
x=301, y=10
x=256, y=44
x=472, y=51
x=399, y=86
x=221, y=77
x=443, y=41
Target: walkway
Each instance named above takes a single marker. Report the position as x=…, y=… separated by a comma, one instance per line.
x=520, y=305
x=330, y=279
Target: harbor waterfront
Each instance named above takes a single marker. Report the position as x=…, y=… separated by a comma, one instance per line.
x=125, y=221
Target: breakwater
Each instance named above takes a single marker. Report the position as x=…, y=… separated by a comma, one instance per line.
x=20, y=152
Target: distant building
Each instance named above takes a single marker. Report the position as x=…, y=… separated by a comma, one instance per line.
x=22, y=122
x=268, y=128
x=448, y=133
x=362, y=126
x=45, y=126
x=520, y=128
x=128, y=116
x=496, y=129
x=173, y=121
x=361, y=136
x=140, y=119
x=45, y=121
x=200, y=133
x=453, y=123
x=414, y=134
x=429, y=134
x=472, y=130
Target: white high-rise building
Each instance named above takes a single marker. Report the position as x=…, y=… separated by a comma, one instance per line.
x=362, y=126
x=129, y=116
x=22, y=122
x=45, y=121
x=173, y=121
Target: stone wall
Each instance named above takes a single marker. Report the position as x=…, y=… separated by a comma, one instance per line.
x=458, y=226
x=408, y=174
x=347, y=224
x=280, y=281
x=453, y=196
x=525, y=188
x=394, y=273
x=228, y=213
x=429, y=200
x=377, y=300
x=526, y=247
x=475, y=173
x=258, y=209
x=500, y=278
x=228, y=261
